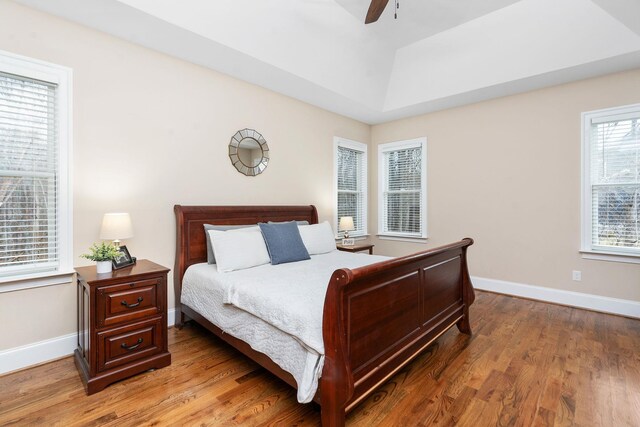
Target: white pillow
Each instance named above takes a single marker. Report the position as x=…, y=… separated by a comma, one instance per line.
x=238, y=250
x=318, y=238
x=232, y=230
x=235, y=230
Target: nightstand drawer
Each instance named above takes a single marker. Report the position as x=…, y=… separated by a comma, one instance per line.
x=127, y=301
x=125, y=344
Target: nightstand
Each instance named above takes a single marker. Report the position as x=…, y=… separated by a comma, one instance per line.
x=357, y=248
x=122, y=323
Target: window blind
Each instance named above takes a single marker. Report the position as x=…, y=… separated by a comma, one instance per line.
x=28, y=176
x=403, y=193
x=615, y=183
x=352, y=188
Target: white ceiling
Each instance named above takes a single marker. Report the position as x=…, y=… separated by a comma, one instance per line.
x=419, y=19
x=437, y=54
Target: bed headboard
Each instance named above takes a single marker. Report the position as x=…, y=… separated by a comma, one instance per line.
x=191, y=246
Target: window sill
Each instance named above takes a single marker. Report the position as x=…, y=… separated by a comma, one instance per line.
x=37, y=280
x=606, y=256
x=400, y=238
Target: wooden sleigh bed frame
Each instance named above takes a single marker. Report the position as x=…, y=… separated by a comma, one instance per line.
x=376, y=318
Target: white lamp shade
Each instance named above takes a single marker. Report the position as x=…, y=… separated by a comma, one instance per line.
x=116, y=226
x=346, y=223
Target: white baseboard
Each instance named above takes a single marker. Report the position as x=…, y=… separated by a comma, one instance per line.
x=38, y=352
x=573, y=299
x=171, y=317
x=24, y=356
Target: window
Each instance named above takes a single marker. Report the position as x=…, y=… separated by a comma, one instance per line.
x=611, y=182
x=351, y=184
x=35, y=205
x=402, y=199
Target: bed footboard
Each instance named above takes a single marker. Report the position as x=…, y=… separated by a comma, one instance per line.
x=379, y=317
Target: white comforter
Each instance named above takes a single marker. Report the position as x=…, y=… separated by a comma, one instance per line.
x=288, y=298
x=291, y=296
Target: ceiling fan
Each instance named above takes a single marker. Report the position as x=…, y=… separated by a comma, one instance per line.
x=375, y=10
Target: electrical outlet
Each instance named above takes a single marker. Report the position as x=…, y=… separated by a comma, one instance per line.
x=577, y=275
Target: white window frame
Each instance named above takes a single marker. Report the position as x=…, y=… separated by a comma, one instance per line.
x=382, y=179
x=587, y=248
x=62, y=77
x=356, y=146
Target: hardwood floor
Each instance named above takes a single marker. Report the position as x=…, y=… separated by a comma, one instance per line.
x=528, y=363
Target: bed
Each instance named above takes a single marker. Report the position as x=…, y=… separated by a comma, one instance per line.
x=375, y=318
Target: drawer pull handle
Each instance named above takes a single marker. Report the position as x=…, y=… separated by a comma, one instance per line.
x=133, y=347
x=132, y=305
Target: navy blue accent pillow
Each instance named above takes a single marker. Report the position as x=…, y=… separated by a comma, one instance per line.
x=284, y=242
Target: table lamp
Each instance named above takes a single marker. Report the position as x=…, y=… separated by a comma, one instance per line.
x=116, y=226
x=346, y=224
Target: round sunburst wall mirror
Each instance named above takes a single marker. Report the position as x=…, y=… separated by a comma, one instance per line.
x=249, y=152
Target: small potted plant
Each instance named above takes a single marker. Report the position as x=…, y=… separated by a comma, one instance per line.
x=102, y=253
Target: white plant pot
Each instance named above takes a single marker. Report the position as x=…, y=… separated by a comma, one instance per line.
x=103, y=267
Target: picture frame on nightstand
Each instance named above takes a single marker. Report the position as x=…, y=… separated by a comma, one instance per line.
x=124, y=259
x=348, y=242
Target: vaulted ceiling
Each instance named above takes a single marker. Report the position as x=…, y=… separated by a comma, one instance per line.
x=437, y=54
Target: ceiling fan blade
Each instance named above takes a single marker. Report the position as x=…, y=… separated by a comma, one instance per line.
x=375, y=10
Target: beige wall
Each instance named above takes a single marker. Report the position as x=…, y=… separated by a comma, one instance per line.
x=507, y=173
x=151, y=131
